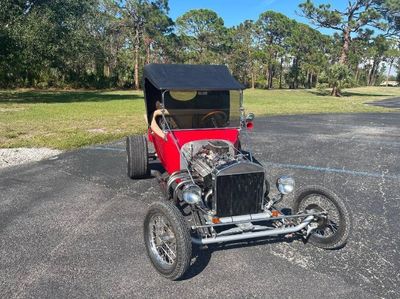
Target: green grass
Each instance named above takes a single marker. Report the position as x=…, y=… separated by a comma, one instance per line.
x=72, y=119
x=286, y=102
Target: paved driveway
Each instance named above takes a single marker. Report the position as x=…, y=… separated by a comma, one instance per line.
x=72, y=226
x=388, y=103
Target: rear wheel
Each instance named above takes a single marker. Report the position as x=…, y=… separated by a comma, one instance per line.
x=334, y=229
x=167, y=239
x=137, y=157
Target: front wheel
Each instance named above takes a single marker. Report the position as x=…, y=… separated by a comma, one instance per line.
x=333, y=230
x=167, y=239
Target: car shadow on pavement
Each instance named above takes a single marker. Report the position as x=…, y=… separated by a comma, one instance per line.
x=202, y=254
x=201, y=258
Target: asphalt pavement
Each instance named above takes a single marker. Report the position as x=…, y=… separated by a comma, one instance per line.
x=388, y=103
x=72, y=226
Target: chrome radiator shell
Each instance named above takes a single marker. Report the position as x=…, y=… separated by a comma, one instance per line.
x=238, y=188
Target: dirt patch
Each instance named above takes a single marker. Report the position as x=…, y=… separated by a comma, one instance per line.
x=97, y=130
x=16, y=156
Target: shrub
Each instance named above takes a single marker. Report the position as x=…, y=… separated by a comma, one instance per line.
x=322, y=89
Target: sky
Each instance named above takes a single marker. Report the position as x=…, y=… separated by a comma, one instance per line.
x=236, y=11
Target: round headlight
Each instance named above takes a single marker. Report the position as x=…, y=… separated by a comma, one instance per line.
x=285, y=184
x=191, y=194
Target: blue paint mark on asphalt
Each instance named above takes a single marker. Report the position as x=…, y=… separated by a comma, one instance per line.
x=333, y=170
x=295, y=166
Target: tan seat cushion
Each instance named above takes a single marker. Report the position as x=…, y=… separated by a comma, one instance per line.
x=154, y=125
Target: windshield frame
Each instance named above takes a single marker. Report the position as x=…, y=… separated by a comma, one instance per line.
x=241, y=112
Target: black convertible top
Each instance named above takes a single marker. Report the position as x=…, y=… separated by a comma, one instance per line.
x=214, y=81
x=190, y=77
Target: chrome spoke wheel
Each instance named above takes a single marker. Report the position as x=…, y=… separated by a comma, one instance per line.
x=329, y=223
x=162, y=240
x=167, y=238
x=333, y=223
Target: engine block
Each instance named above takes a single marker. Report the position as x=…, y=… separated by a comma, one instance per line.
x=206, y=155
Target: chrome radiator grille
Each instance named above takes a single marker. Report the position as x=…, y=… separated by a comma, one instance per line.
x=239, y=189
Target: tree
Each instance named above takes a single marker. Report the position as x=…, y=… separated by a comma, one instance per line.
x=337, y=76
x=44, y=39
x=272, y=29
x=358, y=14
x=203, y=35
x=390, y=9
x=157, y=26
x=358, y=57
x=243, y=59
x=308, y=49
x=105, y=43
x=144, y=19
x=392, y=54
x=377, y=49
x=398, y=73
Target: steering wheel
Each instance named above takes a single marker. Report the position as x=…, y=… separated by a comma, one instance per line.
x=214, y=119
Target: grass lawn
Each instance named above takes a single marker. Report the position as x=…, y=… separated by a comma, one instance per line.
x=71, y=119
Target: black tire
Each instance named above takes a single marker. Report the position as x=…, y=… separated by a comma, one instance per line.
x=137, y=157
x=171, y=269
x=334, y=231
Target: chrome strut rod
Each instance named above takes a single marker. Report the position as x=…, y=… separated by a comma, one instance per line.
x=251, y=235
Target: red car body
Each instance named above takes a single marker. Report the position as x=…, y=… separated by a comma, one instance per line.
x=168, y=153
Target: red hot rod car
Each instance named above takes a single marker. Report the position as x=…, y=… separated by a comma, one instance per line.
x=214, y=190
